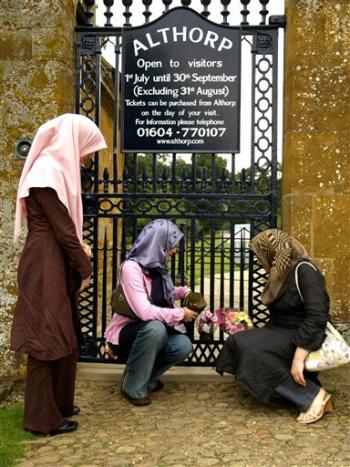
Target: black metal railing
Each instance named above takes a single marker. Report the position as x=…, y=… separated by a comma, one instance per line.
x=116, y=12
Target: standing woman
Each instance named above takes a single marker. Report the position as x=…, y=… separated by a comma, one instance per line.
x=272, y=359
x=153, y=340
x=53, y=268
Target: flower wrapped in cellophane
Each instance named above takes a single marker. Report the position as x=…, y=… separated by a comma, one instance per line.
x=205, y=322
x=228, y=320
x=232, y=321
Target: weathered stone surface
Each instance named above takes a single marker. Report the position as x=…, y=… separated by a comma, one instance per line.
x=331, y=226
x=5, y=390
x=39, y=80
x=281, y=437
x=341, y=290
x=36, y=13
x=317, y=94
x=318, y=162
x=15, y=45
x=51, y=459
x=125, y=449
x=331, y=27
x=53, y=44
x=297, y=217
x=316, y=60
x=316, y=165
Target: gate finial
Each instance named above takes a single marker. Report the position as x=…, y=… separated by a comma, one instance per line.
x=108, y=14
x=127, y=13
x=225, y=11
x=147, y=12
x=89, y=4
x=263, y=12
x=206, y=4
x=245, y=12
x=167, y=3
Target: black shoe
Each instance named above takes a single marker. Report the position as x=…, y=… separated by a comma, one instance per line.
x=68, y=427
x=159, y=386
x=141, y=401
x=75, y=411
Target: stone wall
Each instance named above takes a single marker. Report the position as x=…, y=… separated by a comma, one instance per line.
x=316, y=165
x=36, y=83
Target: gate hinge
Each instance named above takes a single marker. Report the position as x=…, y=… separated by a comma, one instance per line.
x=278, y=20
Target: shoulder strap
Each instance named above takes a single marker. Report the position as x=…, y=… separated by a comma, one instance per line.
x=296, y=275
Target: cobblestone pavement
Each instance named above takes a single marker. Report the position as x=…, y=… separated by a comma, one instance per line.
x=197, y=424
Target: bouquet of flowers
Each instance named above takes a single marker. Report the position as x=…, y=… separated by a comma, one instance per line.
x=205, y=322
x=232, y=321
x=228, y=320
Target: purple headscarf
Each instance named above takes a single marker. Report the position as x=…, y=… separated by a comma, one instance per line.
x=150, y=250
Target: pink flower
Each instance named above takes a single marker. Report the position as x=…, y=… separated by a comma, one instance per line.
x=229, y=321
x=208, y=315
x=231, y=315
x=220, y=317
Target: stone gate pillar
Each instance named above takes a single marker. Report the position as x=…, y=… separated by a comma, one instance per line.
x=316, y=165
x=36, y=83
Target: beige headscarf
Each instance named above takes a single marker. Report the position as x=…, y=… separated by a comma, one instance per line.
x=278, y=252
x=54, y=161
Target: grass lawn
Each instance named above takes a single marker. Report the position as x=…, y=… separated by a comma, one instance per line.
x=11, y=433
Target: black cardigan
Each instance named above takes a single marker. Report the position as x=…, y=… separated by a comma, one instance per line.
x=309, y=317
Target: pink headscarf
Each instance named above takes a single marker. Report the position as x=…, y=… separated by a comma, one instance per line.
x=54, y=161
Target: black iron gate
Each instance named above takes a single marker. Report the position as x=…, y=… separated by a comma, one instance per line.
x=218, y=205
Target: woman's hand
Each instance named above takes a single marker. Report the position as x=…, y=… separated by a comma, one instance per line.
x=298, y=366
x=297, y=371
x=189, y=315
x=85, y=283
x=87, y=249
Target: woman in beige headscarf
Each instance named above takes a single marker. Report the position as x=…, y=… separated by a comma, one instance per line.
x=53, y=267
x=271, y=359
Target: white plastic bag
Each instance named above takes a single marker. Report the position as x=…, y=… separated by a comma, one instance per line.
x=334, y=351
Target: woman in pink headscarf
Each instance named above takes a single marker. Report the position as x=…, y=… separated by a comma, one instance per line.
x=53, y=268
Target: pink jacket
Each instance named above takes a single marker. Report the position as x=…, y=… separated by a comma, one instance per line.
x=133, y=286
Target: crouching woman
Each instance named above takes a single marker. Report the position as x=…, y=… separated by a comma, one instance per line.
x=272, y=359
x=152, y=337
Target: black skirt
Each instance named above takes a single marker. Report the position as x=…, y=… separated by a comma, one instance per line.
x=261, y=359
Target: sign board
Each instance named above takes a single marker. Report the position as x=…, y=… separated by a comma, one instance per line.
x=181, y=85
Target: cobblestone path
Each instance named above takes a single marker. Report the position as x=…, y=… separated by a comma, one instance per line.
x=197, y=424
